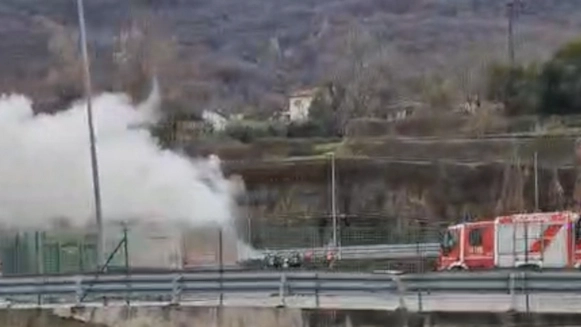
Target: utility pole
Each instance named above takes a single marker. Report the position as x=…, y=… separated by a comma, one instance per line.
x=127, y=272
x=93, y=148
x=513, y=7
x=510, y=13
x=221, y=263
x=536, y=164
x=333, y=200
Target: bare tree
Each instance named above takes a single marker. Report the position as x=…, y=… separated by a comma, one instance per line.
x=361, y=81
x=556, y=194
x=66, y=70
x=141, y=52
x=511, y=199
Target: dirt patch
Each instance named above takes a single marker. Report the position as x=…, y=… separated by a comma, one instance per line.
x=40, y=318
x=427, y=190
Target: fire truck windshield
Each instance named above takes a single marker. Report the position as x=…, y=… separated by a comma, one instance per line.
x=449, y=240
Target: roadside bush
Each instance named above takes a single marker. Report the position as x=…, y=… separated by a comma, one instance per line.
x=309, y=129
x=517, y=88
x=248, y=132
x=561, y=82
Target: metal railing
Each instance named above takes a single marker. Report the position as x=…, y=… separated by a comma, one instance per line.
x=177, y=287
x=384, y=251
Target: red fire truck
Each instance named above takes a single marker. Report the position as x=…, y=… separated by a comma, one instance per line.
x=537, y=240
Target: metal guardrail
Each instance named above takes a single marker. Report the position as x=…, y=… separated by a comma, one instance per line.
x=496, y=282
x=384, y=251
x=192, y=283
x=175, y=286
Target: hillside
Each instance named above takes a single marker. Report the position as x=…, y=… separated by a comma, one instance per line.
x=247, y=54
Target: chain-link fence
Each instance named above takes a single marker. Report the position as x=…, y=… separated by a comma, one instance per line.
x=351, y=230
x=48, y=252
x=363, y=242
x=56, y=252
x=139, y=247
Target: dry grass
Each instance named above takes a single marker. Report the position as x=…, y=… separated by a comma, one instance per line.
x=486, y=120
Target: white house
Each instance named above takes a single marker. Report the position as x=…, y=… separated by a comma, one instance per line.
x=401, y=110
x=187, y=130
x=300, y=104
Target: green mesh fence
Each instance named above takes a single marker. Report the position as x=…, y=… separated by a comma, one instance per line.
x=24, y=253
x=273, y=234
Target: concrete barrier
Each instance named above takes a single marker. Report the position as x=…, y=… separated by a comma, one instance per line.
x=175, y=316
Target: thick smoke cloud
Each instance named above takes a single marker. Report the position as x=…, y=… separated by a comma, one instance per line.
x=45, y=170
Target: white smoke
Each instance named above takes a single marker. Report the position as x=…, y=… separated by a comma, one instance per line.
x=45, y=169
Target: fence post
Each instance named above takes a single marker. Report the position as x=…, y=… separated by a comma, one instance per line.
x=79, y=290
x=127, y=275
x=176, y=290
x=39, y=263
x=402, y=309
x=221, y=263
x=400, y=290
x=40, y=290
x=526, y=291
x=317, y=285
x=420, y=302
x=39, y=255
x=511, y=291
x=419, y=256
x=281, y=291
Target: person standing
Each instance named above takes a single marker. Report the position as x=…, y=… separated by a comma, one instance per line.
x=331, y=259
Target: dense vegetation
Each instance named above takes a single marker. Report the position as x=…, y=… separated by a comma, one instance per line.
x=245, y=56
x=549, y=88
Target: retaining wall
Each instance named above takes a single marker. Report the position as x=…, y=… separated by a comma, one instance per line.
x=267, y=317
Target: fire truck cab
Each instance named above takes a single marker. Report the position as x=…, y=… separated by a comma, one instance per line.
x=540, y=240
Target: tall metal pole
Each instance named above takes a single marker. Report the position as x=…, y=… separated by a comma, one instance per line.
x=511, y=13
x=221, y=263
x=127, y=272
x=39, y=261
x=333, y=200
x=536, y=164
x=93, y=148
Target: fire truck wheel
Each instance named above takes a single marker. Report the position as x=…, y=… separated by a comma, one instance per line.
x=457, y=268
x=529, y=267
